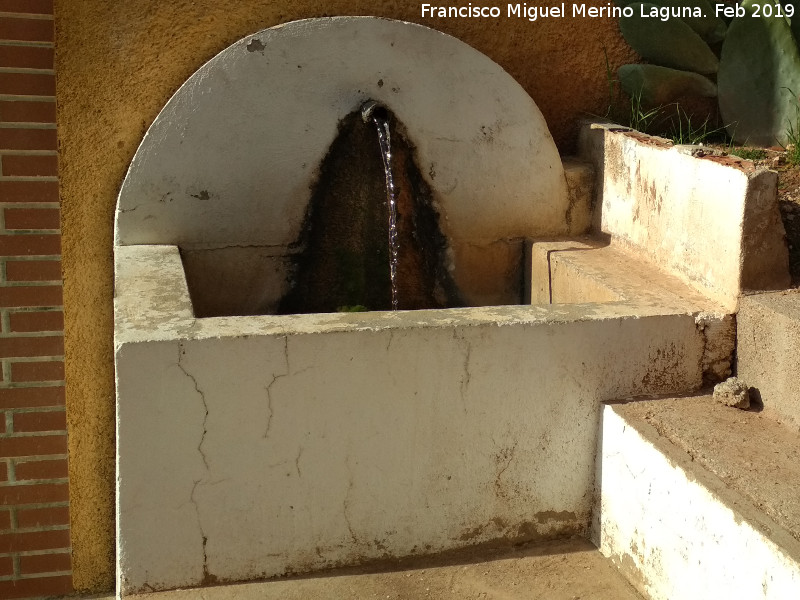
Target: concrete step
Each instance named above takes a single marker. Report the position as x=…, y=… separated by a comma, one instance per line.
x=587, y=269
x=768, y=351
x=699, y=500
x=562, y=570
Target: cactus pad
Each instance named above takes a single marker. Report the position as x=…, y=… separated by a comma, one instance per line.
x=671, y=43
x=759, y=77
x=655, y=85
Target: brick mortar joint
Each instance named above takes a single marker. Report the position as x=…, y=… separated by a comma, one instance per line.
x=43, y=152
x=34, y=359
x=34, y=409
x=19, y=435
x=37, y=506
x=35, y=385
x=30, y=258
x=31, y=284
x=28, y=44
x=7, y=231
x=27, y=16
x=40, y=529
x=39, y=458
x=27, y=71
x=46, y=552
x=28, y=125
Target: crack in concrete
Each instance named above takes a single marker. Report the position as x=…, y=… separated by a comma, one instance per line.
x=270, y=410
x=207, y=576
x=700, y=325
x=508, y=455
x=297, y=461
x=389, y=343
x=623, y=458
x=268, y=388
x=466, y=376
x=181, y=353
x=346, y=504
x=123, y=211
x=634, y=475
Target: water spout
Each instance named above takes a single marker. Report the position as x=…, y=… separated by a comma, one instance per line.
x=368, y=109
x=372, y=111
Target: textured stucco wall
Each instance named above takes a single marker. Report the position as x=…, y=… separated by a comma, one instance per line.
x=118, y=63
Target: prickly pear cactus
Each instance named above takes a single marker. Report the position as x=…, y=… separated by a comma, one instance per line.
x=655, y=85
x=708, y=26
x=758, y=72
x=795, y=20
x=759, y=77
x=671, y=43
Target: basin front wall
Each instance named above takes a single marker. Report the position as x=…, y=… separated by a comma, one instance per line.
x=248, y=456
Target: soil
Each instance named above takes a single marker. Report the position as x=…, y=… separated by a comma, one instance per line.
x=789, y=201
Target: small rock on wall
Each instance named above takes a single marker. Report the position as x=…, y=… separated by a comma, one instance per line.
x=733, y=392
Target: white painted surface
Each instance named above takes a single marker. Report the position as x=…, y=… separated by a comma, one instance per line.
x=677, y=531
x=713, y=221
x=299, y=442
x=232, y=157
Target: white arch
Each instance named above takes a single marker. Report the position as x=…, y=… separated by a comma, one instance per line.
x=232, y=157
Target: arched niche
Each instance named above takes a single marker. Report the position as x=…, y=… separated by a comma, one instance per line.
x=227, y=169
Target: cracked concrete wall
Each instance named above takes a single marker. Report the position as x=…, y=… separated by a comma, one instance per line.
x=257, y=446
x=250, y=456
x=118, y=63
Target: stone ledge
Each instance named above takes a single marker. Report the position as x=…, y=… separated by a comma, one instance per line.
x=768, y=351
x=674, y=528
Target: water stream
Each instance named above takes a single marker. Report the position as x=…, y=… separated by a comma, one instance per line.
x=380, y=118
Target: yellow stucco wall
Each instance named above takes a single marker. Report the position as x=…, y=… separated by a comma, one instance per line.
x=117, y=63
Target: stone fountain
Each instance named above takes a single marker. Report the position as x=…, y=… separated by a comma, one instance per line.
x=253, y=444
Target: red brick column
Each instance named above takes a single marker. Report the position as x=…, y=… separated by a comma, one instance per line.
x=34, y=498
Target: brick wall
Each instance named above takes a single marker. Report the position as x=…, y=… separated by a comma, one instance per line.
x=34, y=507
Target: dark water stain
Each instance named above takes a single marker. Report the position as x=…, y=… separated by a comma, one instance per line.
x=344, y=256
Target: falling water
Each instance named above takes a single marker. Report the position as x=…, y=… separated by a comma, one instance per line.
x=378, y=115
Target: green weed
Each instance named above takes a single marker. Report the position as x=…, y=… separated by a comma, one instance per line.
x=686, y=132
x=640, y=118
x=748, y=153
x=793, y=132
x=632, y=115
